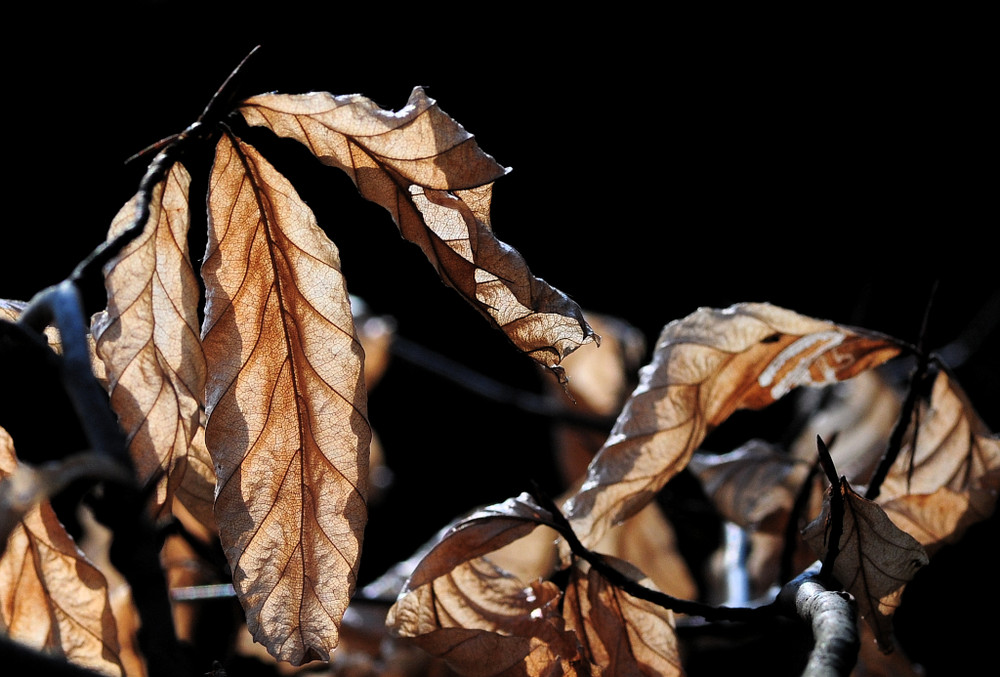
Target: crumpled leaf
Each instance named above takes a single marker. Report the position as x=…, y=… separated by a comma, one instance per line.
x=875, y=560
x=621, y=634
x=287, y=407
x=148, y=340
x=51, y=597
x=460, y=606
x=950, y=478
x=435, y=181
x=705, y=367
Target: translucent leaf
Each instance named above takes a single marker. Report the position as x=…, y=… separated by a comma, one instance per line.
x=754, y=486
x=875, y=561
x=428, y=172
x=705, y=367
x=949, y=477
x=621, y=634
x=149, y=342
x=51, y=597
x=287, y=409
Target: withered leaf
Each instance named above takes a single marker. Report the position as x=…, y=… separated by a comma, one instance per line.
x=287, y=407
x=754, y=486
x=485, y=622
x=621, y=634
x=51, y=597
x=705, y=367
x=148, y=339
x=875, y=560
x=435, y=181
x=949, y=478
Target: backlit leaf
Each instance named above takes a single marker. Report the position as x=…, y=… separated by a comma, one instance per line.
x=875, y=561
x=435, y=181
x=621, y=634
x=287, y=408
x=148, y=339
x=51, y=597
x=950, y=478
x=705, y=367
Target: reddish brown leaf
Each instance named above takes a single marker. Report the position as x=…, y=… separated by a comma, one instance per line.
x=148, y=339
x=705, y=367
x=287, y=407
x=428, y=172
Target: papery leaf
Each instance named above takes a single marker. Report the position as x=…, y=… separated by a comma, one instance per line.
x=287, y=407
x=875, y=560
x=435, y=181
x=479, y=533
x=51, y=597
x=485, y=622
x=754, y=486
x=621, y=634
x=148, y=338
x=705, y=367
x=950, y=478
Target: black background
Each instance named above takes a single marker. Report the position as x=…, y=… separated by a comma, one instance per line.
x=837, y=166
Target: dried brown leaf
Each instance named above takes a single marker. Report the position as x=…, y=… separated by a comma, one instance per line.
x=875, y=561
x=948, y=476
x=705, y=367
x=621, y=634
x=754, y=486
x=435, y=181
x=287, y=407
x=148, y=338
x=51, y=597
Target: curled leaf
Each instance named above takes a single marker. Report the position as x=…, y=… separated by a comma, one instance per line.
x=705, y=367
x=435, y=181
x=148, y=338
x=287, y=407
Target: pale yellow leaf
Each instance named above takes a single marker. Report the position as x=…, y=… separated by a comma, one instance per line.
x=287, y=407
x=148, y=338
x=875, y=560
x=51, y=597
x=435, y=181
x=705, y=367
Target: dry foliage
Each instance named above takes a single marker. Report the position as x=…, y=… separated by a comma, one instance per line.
x=241, y=391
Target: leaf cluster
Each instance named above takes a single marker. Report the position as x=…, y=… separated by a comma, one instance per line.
x=230, y=402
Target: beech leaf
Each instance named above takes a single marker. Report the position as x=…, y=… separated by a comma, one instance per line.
x=621, y=634
x=705, y=367
x=435, y=181
x=948, y=476
x=875, y=560
x=51, y=597
x=287, y=407
x=148, y=339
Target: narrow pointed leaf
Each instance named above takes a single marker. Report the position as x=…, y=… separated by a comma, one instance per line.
x=51, y=597
x=435, y=181
x=705, y=367
x=148, y=338
x=287, y=412
x=875, y=560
